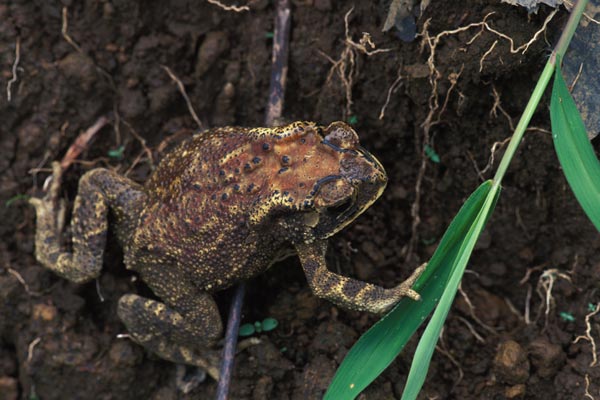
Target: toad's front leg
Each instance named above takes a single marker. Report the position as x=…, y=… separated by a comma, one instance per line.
x=348, y=292
x=99, y=190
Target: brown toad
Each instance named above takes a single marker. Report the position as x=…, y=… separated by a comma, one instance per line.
x=220, y=208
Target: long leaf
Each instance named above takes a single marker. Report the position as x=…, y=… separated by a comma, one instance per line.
x=378, y=347
x=426, y=346
x=574, y=150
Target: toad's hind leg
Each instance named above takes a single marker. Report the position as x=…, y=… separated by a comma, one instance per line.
x=184, y=338
x=100, y=190
x=185, y=329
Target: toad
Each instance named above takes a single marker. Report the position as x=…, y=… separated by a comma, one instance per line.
x=220, y=208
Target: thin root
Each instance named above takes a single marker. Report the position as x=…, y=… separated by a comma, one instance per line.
x=346, y=66
x=471, y=329
x=185, y=96
x=587, y=387
x=472, y=312
x=15, y=67
x=528, y=304
x=65, y=28
x=395, y=85
x=572, y=85
x=431, y=42
x=229, y=8
x=31, y=347
x=146, y=149
x=588, y=335
x=18, y=276
x=544, y=289
x=487, y=53
x=586, y=15
x=453, y=360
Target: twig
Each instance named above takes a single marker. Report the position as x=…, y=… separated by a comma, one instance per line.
x=15, y=66
x=229, y=8
x=588, y=335
x=82, y=142
x=185, y=96
x=231, y=335
x=279, y=63
x=272, y=114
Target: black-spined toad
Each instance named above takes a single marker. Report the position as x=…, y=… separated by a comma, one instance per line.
x=220, y=208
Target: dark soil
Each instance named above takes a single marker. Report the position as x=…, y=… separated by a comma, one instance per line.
x=58, y=340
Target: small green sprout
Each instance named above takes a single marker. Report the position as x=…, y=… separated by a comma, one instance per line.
x=270, y=35
x=246, y=330
x=433, y=156
x=352, y=120
x=268, y=324
x=591, y=307
x=567, y=316
x=117, y=153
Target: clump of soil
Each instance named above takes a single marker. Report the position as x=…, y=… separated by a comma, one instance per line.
x=533, y=278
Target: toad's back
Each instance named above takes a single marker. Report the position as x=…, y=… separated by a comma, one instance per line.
x=211, y=198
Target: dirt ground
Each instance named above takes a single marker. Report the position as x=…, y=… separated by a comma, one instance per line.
x=531, y=282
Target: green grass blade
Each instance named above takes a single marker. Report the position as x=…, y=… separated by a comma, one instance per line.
x=378, y=347
x=426, y=346
x=574, y=150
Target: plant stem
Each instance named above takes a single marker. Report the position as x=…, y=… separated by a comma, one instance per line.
x=538, y=91
x=569, y=31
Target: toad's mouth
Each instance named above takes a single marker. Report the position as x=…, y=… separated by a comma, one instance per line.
x=335, y=217
x=343, y=210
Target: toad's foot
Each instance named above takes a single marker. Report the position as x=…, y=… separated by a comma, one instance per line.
x=405, y=288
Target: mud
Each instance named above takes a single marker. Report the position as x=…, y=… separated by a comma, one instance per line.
x=58, y=340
